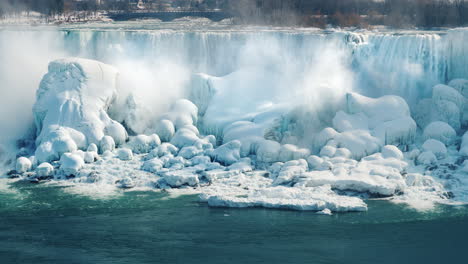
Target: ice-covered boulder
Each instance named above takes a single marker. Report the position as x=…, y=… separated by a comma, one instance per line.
x=23, y=165
x=422, y=112
x=165, y=129
x=442, y=92
x=71, y=164
x=385, y=108
x=44, y=170
x=92, y=148
x=184, y=138
x=360, y=142
x=436, y=147
x=106, y=144
x=228, y=153
x=268, y=151
x=448, y=105
x=153, y=165
x=461, y=85
x=401, y=131
x=125, y=154
x=440, y=131
x=143, y=143
x=426, y=158
x=71, y=107
x=391, y=151
x=345, y=122
x=189, y=152
x=464, y=145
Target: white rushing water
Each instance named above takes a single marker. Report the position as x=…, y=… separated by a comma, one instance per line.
x=272, y=90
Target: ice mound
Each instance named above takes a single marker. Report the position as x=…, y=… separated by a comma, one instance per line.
x=71, y=107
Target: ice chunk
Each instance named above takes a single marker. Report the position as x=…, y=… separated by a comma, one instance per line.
x=23, y=165
x=446, y=111
x=228, y=153
x=436, y=147
x=44, y=170
x=440, y=131
x=125, y=154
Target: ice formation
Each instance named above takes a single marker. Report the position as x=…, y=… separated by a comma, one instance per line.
x=244, y=135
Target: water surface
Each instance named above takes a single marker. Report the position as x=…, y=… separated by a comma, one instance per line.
x=44, y=224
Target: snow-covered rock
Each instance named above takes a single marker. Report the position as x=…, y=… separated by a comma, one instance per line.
x=143, y=143
x=125, y=154
x=228, y=153
x=385, y=108
x=23, y=165
x=427, y=158
x=440, y=131
x=189, y=152
x=464, y=145
x=390, y=151
x=436, y=147
x=106, y=144
x=45, y=170
x=165, y=129
x=71, y=164
x=268, y=151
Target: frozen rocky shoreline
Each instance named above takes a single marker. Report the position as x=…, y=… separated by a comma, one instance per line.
x=250, y=153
